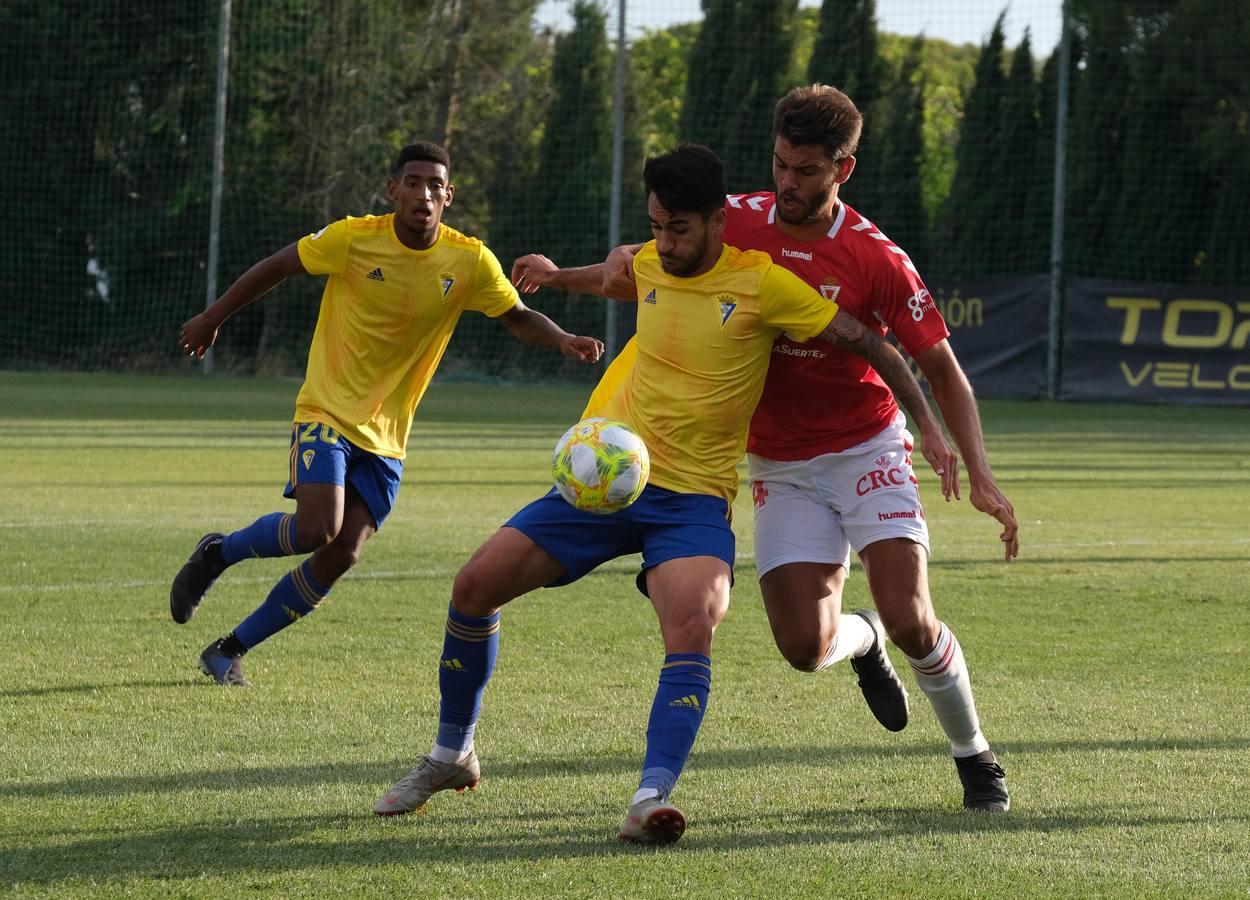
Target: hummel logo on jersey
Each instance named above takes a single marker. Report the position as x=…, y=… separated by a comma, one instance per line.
x=446, y=279
x=796, y=254
x=650, y=298
x=453, y=664
x=308, y=458
x=376, y=275
x=727, y=305
x=689, y=702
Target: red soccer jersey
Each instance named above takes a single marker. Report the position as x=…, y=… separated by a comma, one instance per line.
x=819, y=399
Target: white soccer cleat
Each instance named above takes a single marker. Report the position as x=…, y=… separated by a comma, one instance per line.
x=653, y=821
x=429, y=777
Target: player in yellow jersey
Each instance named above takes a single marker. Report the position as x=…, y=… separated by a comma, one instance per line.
x=396, y=288
x=688, y=382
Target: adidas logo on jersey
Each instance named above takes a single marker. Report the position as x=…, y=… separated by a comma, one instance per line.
x=650, y=298
x=376, y=275
x=690, y=701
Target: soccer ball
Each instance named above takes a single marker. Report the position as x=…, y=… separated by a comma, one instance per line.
x=600, y=465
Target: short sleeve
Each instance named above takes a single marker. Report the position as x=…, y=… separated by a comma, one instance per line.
x=493, y=293
x=906, y=305
x=789, y=304
x=325, y=252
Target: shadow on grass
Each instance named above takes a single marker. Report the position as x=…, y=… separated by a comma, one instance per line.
x=94, y=687
x=430, y=844
x=380, y=773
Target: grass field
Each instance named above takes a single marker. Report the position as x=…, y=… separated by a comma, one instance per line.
x=1110, y=664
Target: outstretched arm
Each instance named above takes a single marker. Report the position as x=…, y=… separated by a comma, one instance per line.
x=955, y=399
x=200, y=332
x=605, y=279
x=533, y=327
x=849, y=333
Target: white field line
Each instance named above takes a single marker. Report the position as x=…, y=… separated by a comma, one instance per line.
x=448, y=573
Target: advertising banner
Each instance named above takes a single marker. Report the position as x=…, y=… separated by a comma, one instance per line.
x=1155, y=343
x=998, y=332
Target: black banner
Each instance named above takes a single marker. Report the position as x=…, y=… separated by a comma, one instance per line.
x=1153, y=342
x=998, y=332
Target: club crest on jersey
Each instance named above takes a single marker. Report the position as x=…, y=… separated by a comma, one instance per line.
x=727, y=305
x=446, y=280
x=650, y=298
x=829, y=289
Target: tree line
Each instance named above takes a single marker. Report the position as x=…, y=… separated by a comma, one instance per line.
x=109, y=138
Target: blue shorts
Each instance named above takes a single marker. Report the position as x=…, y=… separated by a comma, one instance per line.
x=320, y=455
x=661, y=525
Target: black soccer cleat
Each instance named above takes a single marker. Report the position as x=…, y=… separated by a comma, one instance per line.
x=195, y=578
x=984, y=781
x=880, y=684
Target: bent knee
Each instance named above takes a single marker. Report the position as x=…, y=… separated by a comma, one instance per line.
x=915, y=637
x=313, y=537
x=473, y=593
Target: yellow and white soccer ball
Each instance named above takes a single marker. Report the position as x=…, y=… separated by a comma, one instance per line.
x=600, y=465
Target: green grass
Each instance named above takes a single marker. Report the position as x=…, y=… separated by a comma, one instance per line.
x=1110, y=665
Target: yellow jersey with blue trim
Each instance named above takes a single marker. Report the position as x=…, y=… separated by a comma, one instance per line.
x=689, y=380
x=386, y=316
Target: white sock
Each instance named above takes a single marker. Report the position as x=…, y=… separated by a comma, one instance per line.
x=943, y=676
x=643, y=794
x=854, y=638
x=439, y=753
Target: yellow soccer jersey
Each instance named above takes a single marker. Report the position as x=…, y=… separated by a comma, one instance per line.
x=386, y=316
x=690, y=378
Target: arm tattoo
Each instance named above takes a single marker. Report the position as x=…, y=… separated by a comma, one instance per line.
x=893, y=370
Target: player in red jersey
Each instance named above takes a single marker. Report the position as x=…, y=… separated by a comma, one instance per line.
x=828, y=477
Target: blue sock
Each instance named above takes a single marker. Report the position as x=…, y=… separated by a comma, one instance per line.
x=268, y=536
x=469, y=650
x=676, y=714
x=295, y=595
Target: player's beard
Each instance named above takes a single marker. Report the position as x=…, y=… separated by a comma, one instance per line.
x=684, y=267
x=813, y=212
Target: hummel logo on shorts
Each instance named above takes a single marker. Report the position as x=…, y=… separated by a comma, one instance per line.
x=376, y=274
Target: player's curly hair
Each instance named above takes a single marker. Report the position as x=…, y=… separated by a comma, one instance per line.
x=690, y=178
x=819, y=114
x=425, y=151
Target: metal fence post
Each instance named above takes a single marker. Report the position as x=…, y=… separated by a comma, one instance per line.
x=1055, y=325
x=219, y=158
x=610, y=338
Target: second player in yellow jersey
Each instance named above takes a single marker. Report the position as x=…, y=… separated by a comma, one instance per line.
x=397, y=285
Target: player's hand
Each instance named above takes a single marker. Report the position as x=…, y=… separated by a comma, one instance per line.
x=533, y=271
x=583, y=349
x=197, y=335
x=618, y=273
x=987, y=498
x=941, y=458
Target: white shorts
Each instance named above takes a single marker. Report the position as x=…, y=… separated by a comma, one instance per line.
x=817, y=510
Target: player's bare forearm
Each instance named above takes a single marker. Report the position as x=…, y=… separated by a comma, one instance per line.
x=534, y=270
x=200, y=332
x=955, y=399
x=532, y=327
x=958, y=405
